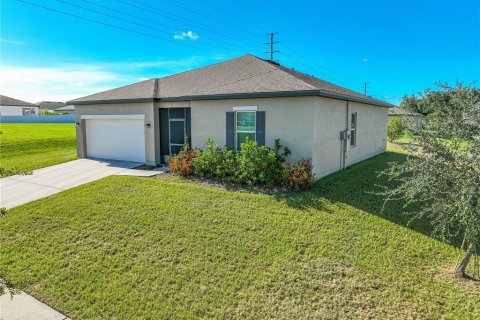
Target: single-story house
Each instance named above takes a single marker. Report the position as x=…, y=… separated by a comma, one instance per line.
x=65, y=109
x=14, y=107
x=411, y=118
x=51, y=105
x=228, y=102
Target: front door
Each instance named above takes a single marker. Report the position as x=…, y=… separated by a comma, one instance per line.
x=174, y=131
x=177, y=135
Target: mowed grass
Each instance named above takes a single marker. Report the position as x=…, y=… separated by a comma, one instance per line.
x=142, y=248
x=29, y=146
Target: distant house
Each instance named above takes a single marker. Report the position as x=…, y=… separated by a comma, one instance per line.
x=415, y=118
x=230, y=102
x=51, y=105
x=14, y=107
x=66, y=109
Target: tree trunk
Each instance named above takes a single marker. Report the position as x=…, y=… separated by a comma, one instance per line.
x=460, y=269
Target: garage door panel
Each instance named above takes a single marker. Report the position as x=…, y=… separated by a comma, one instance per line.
x=117, y=139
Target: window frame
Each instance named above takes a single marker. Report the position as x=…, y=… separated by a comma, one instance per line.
x=237, y=147
x=353, y=131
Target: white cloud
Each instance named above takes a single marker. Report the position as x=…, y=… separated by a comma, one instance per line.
x=365, y=59
x=186, y=35
x=10, y=41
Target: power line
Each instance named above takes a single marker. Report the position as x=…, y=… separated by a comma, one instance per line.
x=312, y=68
x=122, y=19
x=345, y=79
x=234, y=16
x=110, y=25
x=176, y=4
x=156, y=11
x=140, y=18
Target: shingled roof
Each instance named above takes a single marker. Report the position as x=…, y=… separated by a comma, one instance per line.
x=7, y=101
x=50, y=105
x=243, y=77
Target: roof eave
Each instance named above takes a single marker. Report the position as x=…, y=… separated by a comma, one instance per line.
x=112, y=101
x=303, y=93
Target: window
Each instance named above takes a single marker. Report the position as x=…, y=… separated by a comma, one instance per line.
x=28, y=111
x=353, y=130
x=245, y=127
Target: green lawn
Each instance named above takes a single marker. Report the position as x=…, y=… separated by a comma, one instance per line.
x=142, y=248
x=29, y=146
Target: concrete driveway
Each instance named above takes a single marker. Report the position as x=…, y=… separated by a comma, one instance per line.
x=20, y=189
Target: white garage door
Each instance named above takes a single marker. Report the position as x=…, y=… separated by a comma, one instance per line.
x=117, y=139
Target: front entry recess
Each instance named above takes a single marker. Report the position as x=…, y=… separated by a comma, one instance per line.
x=174, y=131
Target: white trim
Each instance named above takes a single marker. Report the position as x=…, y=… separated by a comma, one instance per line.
x=112, y=116
x=245, y=108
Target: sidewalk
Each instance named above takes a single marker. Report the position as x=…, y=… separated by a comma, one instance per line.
x=25, y=307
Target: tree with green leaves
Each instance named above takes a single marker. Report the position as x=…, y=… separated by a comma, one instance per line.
x=426, y=103
x=440, y=179
x=395, y=128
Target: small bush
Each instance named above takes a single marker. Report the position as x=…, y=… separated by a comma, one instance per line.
x=395, y=129
x=252, y=165
x=300, y=175
x=46, y=112
x=182, y=162
x=214, y=161
x=261, y=165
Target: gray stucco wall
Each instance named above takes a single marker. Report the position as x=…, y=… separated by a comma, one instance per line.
x=371, y=132
x=288, y=119
x=330, y=117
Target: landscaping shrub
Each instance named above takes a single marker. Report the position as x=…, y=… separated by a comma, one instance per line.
x=395, y=129
x=214, y=161
x=251, y=165
x=260, y=164
x=300, y=175
x=182, y=162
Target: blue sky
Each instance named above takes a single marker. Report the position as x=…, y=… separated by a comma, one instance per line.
x=398, y=47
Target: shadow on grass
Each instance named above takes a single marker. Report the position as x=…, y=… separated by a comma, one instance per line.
x=359, y=186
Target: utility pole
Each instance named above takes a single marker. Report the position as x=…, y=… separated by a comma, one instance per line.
x=365, y=86
x=271, y=43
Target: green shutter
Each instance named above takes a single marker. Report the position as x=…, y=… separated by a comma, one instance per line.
x=260, y=128
x=164, y=134
x=230, y=130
